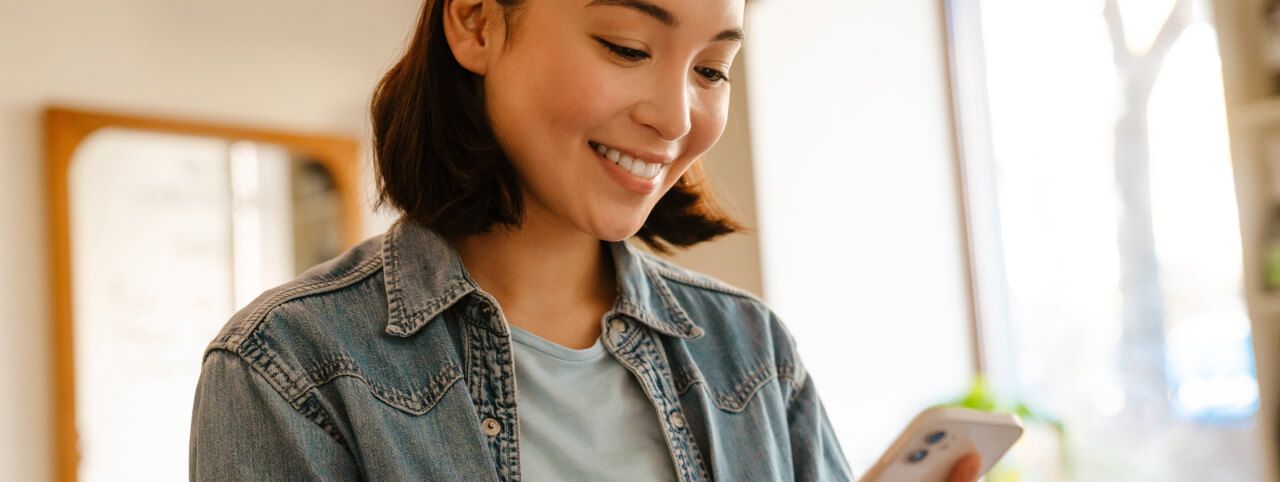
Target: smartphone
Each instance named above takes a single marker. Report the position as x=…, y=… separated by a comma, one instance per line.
x=938, y=438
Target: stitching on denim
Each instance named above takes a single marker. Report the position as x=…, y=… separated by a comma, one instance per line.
x=685, y=324
x=628, y=350
x=395, y=303
x=795, y=375
x=251, y=322
x=686, y=377
x=465, y=335
x=255, y=351
x=456, y=290
x=316, y=413
x=743, y=392
x=491, y=381
x=324, y=285
x=265, y=362
x=638, y=312
x=417, y=402
x=309, y=407
x=694, y=279
x=651, y=343
x=409, y=322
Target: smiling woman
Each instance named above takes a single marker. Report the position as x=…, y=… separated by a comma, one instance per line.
x=591, y=108
x=503, y=328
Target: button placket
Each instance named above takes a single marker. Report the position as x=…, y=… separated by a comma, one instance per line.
x=641, y=354
x=491, y=379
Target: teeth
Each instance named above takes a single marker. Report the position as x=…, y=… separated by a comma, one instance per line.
x=634, y=166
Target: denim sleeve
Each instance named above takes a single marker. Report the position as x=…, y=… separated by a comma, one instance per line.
x=243, y=429
x=815, y=452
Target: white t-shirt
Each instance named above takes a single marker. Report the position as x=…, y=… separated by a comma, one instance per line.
x=583, y=416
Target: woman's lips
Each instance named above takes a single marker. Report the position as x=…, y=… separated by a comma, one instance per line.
x=630, y=181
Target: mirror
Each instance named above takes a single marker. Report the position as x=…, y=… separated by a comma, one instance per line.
x=161, y=231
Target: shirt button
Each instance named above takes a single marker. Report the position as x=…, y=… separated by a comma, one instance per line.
x=619, y=325
x=491, y=427
x=677, y=420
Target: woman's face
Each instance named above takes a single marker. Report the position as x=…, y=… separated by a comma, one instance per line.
x=643, y=81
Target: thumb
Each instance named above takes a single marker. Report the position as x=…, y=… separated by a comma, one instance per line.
x=966, y=470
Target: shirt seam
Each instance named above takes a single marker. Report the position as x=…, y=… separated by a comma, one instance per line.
x=744, y=391
x=307, y=404
x=250, y=324
x=685, y=277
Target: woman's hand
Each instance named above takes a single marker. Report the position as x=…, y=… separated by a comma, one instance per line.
x=966, y=469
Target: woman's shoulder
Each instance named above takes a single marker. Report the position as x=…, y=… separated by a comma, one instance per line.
x=329, y=288
x=697, y=280
x=333, y=322
x=720, y=308
x=291, y=331
x=716, y=299
x=744, y=339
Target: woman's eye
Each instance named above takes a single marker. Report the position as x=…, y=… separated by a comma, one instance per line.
x=628, y=54
x=713, y=75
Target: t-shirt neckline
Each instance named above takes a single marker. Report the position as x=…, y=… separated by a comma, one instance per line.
x=554, y=350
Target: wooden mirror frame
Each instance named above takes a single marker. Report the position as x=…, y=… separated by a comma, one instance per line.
x=65, y=129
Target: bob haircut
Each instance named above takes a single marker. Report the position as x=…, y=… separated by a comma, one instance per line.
x=439, y=163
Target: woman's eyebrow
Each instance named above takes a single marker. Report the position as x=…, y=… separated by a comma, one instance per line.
x=662, y=15
x=659, y=13
x=732, y=35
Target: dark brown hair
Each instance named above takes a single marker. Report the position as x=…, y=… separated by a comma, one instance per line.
x=439, y=162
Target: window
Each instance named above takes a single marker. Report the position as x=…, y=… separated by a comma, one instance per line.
x=1104, y=233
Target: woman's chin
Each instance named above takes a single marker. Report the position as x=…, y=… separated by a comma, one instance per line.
x=617, y=229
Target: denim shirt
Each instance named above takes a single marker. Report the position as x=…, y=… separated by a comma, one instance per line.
x=389, y=363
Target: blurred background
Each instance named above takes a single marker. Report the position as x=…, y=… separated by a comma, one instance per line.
x=1069, y=210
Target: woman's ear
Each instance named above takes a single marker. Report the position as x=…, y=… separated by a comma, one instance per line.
x=466, y=27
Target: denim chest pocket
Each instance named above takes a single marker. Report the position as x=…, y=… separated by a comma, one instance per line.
x=414, y=394
x=730, y=390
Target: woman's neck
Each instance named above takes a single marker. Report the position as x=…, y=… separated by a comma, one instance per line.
x=548, y=277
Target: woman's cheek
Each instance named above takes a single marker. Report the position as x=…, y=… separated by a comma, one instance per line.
x=718, y=110
x=709, y=122
x=590, y=96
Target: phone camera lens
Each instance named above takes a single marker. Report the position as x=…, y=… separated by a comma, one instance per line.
x=917, y=456
x=935, y=437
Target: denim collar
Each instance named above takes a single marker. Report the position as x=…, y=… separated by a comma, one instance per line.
x=424, y=276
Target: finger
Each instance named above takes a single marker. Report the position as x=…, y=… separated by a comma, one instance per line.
x=967, y=469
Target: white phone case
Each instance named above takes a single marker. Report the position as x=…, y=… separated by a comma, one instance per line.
x=938, y=437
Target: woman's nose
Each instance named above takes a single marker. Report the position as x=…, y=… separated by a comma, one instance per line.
x=666, y=109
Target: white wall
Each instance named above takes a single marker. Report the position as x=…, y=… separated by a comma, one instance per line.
x=300, y=65
x=857, y=200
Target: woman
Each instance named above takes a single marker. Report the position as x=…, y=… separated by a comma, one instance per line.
x=523, y=141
